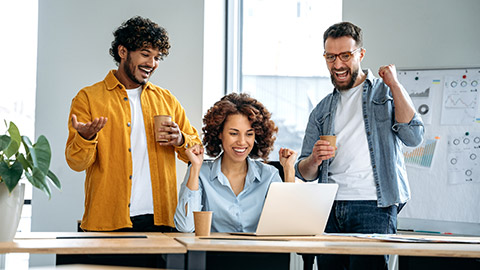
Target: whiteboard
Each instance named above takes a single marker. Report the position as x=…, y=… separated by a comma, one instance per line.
x=444, y=172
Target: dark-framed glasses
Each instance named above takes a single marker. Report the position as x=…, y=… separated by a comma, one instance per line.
x=344, y=56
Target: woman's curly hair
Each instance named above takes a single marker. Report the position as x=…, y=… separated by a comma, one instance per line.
x=137, y=33
x=256, y=113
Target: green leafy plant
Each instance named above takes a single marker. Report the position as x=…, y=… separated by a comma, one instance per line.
x=34, y=163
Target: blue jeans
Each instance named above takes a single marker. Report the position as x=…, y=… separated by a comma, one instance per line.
x=358, y=217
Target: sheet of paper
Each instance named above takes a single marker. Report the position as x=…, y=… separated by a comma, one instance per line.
x=421, y=156
x=421, y=90
x=421, y=239
x=460, y=101
x=463, y=158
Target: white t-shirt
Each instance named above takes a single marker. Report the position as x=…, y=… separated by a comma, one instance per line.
x=141, y=201
x=351, y=168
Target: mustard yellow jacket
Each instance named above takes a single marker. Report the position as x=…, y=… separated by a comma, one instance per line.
x=107, y=158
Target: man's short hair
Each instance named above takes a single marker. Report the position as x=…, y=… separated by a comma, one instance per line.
x=137, y=33
x=344, y=29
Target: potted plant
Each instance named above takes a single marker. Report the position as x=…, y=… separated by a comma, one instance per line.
x=33, y=163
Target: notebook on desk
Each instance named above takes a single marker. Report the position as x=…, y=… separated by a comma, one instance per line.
x=295, y=209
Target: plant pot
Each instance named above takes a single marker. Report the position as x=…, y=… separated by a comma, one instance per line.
x=11, y=211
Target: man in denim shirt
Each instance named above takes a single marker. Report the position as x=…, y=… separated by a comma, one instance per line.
x=371, y=118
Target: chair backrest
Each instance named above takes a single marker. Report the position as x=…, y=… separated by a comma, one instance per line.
x=279, y=167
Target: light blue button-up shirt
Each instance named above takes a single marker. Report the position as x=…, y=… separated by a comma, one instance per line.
x=231, y=213
x=384, y=136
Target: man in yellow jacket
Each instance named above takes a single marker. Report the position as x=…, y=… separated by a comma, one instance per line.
x=130, y=180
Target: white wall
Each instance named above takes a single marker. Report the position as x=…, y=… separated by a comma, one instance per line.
x=73, y=42
x=417, y=33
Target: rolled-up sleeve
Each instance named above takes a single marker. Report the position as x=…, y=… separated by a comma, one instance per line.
x=311, y=137
x=411, y=133
x=190, y=199
x=189, y=133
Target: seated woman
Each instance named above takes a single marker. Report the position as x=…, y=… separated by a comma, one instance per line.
x=237, y=130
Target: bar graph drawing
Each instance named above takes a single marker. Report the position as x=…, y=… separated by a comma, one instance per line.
x=422, y=90
x=421, y=156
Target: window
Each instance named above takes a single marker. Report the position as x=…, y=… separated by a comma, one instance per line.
x=275, y=53
x=18, y=51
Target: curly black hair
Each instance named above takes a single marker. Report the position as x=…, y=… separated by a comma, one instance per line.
x=256, y=113
x=137, y=33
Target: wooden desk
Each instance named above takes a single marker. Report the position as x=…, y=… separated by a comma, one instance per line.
x=159, y=243
x=319, y=245
x=98, y=243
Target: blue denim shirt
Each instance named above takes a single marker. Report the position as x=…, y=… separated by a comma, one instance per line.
x=384, y=136
x=231, y=213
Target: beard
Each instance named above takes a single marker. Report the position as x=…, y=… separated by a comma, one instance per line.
x=129, y=72
x=349, y=85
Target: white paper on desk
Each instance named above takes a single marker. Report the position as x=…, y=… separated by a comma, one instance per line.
x=419, y=239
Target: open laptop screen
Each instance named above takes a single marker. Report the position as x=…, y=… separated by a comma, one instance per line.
x=296, y=209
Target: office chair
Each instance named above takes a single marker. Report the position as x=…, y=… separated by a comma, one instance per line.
x=279, y=167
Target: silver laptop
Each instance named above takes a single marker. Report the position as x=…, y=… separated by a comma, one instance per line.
x=296, y=209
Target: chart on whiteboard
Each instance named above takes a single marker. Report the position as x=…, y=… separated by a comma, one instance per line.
x=460, y=101
x=464, y=158
x=421, y=156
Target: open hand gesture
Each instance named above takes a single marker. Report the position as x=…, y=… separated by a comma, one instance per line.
x=90, y=129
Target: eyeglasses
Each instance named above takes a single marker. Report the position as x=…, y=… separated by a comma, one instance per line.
x=344, y=56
